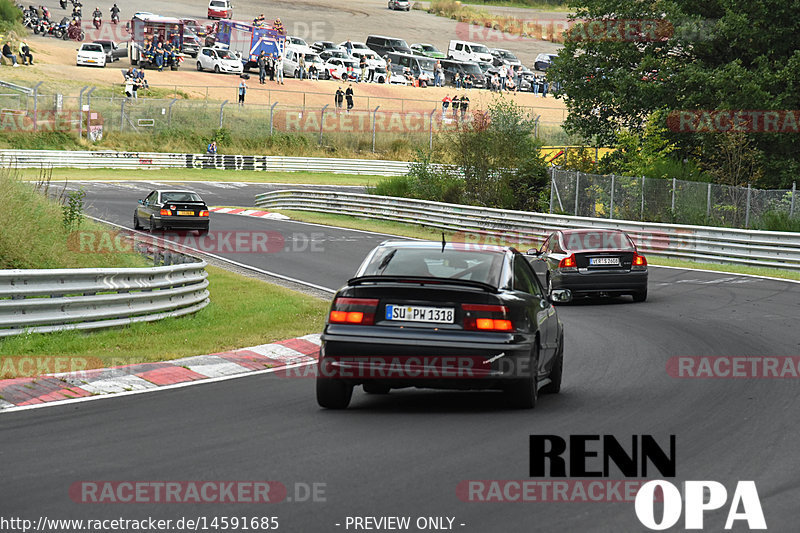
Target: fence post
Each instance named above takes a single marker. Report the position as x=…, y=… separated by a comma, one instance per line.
x=673, y=196
x=169, y=118
x=374, y=112
x=747, y=210
x=271, y=113
x=321, y=119
x=36, y=106
x=611, y=211
x=552, y=185
x=122, y=115
x=641, y=212
x=221, y=108
x=794, y=192
x=708, y=203
x=430, y=133
x=577, y=185
x=536, y=126
x=80, y=111
x=89, y=111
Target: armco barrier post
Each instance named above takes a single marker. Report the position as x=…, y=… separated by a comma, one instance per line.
x=221, y=112
x=641, y=211
x=321, y=121
x=36, y=106
x=374, y=122
x=673, y=196
x=791, y=205
x=747, y=210
x=122, y=115
x=708, y=203
x=611, y=210
x=577, y=186
x=169, y=117
x=271, y=114
x=80, y=112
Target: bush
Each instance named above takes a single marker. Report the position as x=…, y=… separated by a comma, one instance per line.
x=778, y=221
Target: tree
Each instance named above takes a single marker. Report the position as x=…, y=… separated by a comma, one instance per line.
x=683, y=55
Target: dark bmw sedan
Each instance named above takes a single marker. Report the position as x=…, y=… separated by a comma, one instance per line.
x=167, y=209
x=446, y=316
x=594, y=262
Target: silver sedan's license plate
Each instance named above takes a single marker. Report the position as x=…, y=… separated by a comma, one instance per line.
x=604, y=260
x=413, y=313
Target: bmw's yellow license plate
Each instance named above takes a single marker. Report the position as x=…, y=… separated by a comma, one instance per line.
x=186, y=213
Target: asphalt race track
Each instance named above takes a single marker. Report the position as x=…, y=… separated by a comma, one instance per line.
x=405, y=453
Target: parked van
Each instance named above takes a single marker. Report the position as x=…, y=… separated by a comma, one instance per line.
x=291, y=60
x=467, y=51
x=383, y=45
x=420, y=66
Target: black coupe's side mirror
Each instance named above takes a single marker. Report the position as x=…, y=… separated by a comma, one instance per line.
x=534, y=251
x=141, y=202
x=561, y=296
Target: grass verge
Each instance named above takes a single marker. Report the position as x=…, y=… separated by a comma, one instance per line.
x=243, y=312
x=192, y=174
x=34, y=234
x=422, y=232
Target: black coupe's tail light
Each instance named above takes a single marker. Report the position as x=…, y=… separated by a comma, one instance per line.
x=639, y=262
x=353, y=311
x=482, y=317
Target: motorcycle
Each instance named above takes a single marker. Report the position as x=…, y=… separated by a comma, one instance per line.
x=31, y=22
x=75, y=33
x=43, y=28
x=76, y=12
x=97, y=21
x=115, y=18
x=60, y=29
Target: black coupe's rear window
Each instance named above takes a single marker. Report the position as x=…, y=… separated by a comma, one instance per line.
x=180, y=197
x=483, y=266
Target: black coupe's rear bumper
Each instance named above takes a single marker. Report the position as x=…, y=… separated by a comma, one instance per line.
x=181, y=222
x=435, y=359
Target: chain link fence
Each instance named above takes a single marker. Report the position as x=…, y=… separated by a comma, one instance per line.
x=667, y=201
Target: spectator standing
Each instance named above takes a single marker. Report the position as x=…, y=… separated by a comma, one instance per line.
x=338, y=98
x=445, y=104
x=279, y=69
x=242, y=92
x=388, y=69
x=349, y=47
x=25, y=53
x=271, y=67
x=348, y=94
x=455, y=104
x=7, y=53
x=503, y=74
x=363, y=65
x=301, y=66
x=437, y=74
x=544, y=88
x=262, y=67
x=464, y=106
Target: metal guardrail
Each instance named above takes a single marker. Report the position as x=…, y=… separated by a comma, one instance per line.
x=44, y=301
x=155, y=160
x=15, y=87
x=697, y=243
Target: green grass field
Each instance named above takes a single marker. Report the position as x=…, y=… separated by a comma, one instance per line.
x=191, y=174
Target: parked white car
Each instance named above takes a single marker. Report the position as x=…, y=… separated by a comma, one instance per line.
x=219, y=60
x=91, y=55
x=296, y=41
x=291, y=61
x=468, y=51
x=336, y=67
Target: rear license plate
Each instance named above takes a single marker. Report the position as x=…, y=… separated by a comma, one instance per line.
x=413, y=313
x=604, y=260
x=187, y=213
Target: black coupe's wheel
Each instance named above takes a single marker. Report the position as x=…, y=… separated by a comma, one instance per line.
x=333, y=393
x=152, y=226
x=524, y=392
x=640, y=296
x=371, y=387
x=203, y=232
x=554, y=387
